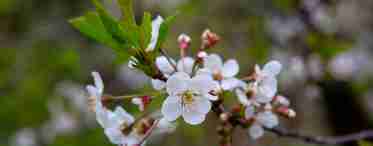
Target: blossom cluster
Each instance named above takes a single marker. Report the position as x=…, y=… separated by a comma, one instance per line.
x=192, y=85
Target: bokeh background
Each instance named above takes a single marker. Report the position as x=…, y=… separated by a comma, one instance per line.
x=325, y=46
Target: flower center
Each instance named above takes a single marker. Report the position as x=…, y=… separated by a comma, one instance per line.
x=218, y=76
x=187, y=97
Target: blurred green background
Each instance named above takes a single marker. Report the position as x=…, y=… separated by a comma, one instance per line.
x=325, y=46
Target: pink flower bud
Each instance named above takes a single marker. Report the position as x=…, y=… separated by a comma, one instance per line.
x=202, y=54
x=209, y=39
x=290, y=113
x=224, y=117
x=146, y=100
x=184, y=41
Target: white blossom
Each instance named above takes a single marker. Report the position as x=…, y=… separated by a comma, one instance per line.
x=264, y=87
x=188, y=97
x=156, y=24
x=262, y=119
x=256, y=131
x=111, y=121
x=185, y=64
x=223, y=72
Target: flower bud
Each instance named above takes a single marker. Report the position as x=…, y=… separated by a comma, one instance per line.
x=209, y=39
x=292, y=113
x=236, y=108
x=184, y=41
x=281, y=100
x=268, y=107
x=202, y=54
x=224, y=117
x=285, y=111
x=142, y=102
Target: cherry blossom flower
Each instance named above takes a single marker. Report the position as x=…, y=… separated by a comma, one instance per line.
x=188, y=97
x=261, y=119
x=185, y=64
x=111, y=121
x=223, y=72
x=264, y=88
x=156, y=24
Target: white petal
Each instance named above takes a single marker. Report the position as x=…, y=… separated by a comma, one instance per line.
x=136, y=101
x=92, y=91
x=158, y=84
x=249, y=112
x=164, y=65
x=242, y=98
x=230, y=83
x=164, y=126
x=202, y=105
x=172, y=108
x=203, y=84
x=178, y=83
x=267, y=89
x=204, y=71
x=193, y=118
x=260, y=98
x=272, y=68
x=268, y=119
x=213, y=62
x=123, y=116
x=104, y=118
x=242, y=84
x=185, y=65
x=210, y=97
x=115, y=135
x=230, y=68
x=256, y=131
x=156, y=24
x=98, y=82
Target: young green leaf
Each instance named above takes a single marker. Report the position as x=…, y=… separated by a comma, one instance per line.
x=115, y=29
x=91, y=26
x=146, y=30
x=128, y=17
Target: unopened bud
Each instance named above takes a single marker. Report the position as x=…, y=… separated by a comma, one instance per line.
x=236, y=108
x=285, y=111
x=142, y=102
x=283, y=101
x=184, y=41
x=292, y=113
x=202, y=54
x=224, y=117
x=209, y=39
x=146, y=100
x=268, y=107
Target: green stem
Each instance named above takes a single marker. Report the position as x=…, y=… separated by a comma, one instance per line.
x=133, y=96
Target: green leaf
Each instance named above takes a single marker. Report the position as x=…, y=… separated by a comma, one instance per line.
x=91, y=26
x=115, y=29
x=146, y=30
x=163, y=30
x=128, y=18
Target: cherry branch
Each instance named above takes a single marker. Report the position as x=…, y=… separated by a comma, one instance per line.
x=219, y=109
x=320, y=139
